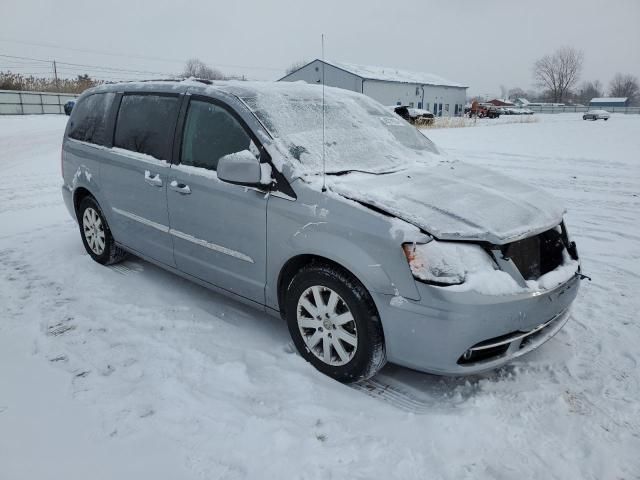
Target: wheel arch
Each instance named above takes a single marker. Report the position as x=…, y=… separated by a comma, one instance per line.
x=296, y=263
x=374, y=357
x=80, y=194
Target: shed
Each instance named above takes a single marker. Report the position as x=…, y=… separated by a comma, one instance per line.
x=603, y=102
x=499, y=102
x=389, y=86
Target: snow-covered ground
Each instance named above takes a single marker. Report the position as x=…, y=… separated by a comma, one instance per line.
x=130, y=372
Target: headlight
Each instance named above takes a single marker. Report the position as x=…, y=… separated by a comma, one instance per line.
x=446, y=263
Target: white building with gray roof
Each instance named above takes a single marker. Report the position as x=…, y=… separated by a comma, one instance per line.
x=389, y=86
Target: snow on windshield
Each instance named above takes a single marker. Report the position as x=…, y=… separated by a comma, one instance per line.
x=360, y=134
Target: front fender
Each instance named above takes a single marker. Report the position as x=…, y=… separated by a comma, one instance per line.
x=354, y=237
x=337, y=249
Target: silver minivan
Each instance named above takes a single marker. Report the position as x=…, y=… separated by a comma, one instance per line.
x=368, y=241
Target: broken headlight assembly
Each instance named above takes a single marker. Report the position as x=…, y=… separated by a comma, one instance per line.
x=446, y=263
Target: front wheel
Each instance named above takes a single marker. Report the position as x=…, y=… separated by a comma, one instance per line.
x=96, y=235
x=334, y=323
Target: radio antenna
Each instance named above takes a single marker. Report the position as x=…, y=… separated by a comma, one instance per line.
x=324, y=160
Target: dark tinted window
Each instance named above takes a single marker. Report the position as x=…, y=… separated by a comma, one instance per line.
x=146, y=124
x=89, y=118
x=211, y=132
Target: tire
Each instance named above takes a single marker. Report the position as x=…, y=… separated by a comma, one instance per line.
x=352, y=319
x=584, y=117
x=96, y=234
x=605, y=119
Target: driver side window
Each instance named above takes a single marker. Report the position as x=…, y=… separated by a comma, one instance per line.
x=210, y=133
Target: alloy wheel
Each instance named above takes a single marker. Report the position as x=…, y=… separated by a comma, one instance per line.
x=93, y=230
x=327, y=325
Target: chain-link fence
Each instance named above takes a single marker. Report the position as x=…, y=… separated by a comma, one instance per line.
x=576, y=109
x=14, y=102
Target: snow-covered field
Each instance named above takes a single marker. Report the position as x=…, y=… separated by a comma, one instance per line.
x=130, y=372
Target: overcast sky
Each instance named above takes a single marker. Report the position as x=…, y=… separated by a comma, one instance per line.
x=483, y=44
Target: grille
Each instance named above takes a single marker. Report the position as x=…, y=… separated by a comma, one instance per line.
x=535, y=256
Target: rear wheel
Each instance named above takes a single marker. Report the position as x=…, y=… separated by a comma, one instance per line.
x=96, y=235
x=334, y=324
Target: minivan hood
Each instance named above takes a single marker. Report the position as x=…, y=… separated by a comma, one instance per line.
x=456, y=201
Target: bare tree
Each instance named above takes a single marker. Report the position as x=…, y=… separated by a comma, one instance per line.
x=533, y=96
x=590, y=90
x=298, y=64
x=516, y=92
x=197, y=68
x=625, y=86
x=558, y=73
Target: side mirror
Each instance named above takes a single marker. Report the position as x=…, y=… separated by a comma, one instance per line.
x=240, y=168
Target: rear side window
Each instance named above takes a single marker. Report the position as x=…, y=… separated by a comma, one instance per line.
x=211, y=132
x=146, y=124
x=90, y=117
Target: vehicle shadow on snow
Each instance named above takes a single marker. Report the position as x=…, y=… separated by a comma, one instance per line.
x=209, y=304
x=400, y=387
x=419, y=393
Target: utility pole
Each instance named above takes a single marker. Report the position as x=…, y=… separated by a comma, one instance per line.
x=55, y=74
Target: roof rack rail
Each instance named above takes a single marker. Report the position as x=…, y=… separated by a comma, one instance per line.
x=206, y=81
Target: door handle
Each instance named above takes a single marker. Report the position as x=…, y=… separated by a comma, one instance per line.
x=180, y=187
x=154, y=180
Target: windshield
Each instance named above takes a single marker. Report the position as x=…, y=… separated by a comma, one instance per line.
x=360, y=134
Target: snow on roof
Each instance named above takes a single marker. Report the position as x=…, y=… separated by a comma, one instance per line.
x=502, y=100
x=523, y=101
x=609, y=99
x=394, y=74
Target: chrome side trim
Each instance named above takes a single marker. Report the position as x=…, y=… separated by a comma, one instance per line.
x=184, y=236
x=516, y=336
x=144, y=221
x=211, y=246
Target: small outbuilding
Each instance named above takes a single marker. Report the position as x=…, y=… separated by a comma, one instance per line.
x=604, y=102
x=521, y=102
x=500, y=102
x=389, y=86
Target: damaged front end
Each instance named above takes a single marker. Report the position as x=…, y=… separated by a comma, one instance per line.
x=540, y=254
x=495, y=302
x=538, y=262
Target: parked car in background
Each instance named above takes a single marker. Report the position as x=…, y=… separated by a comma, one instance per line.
x=68, y=107
x=517, y=111
x=596, y=115
x=484, y=110
x=372, y=245
x=415, y=116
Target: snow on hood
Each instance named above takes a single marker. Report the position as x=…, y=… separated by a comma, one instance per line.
x=456, y=201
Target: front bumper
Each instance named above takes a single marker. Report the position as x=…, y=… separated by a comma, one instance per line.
x=433, y=334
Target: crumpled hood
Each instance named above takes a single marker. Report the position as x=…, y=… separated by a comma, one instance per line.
x=456, y=201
